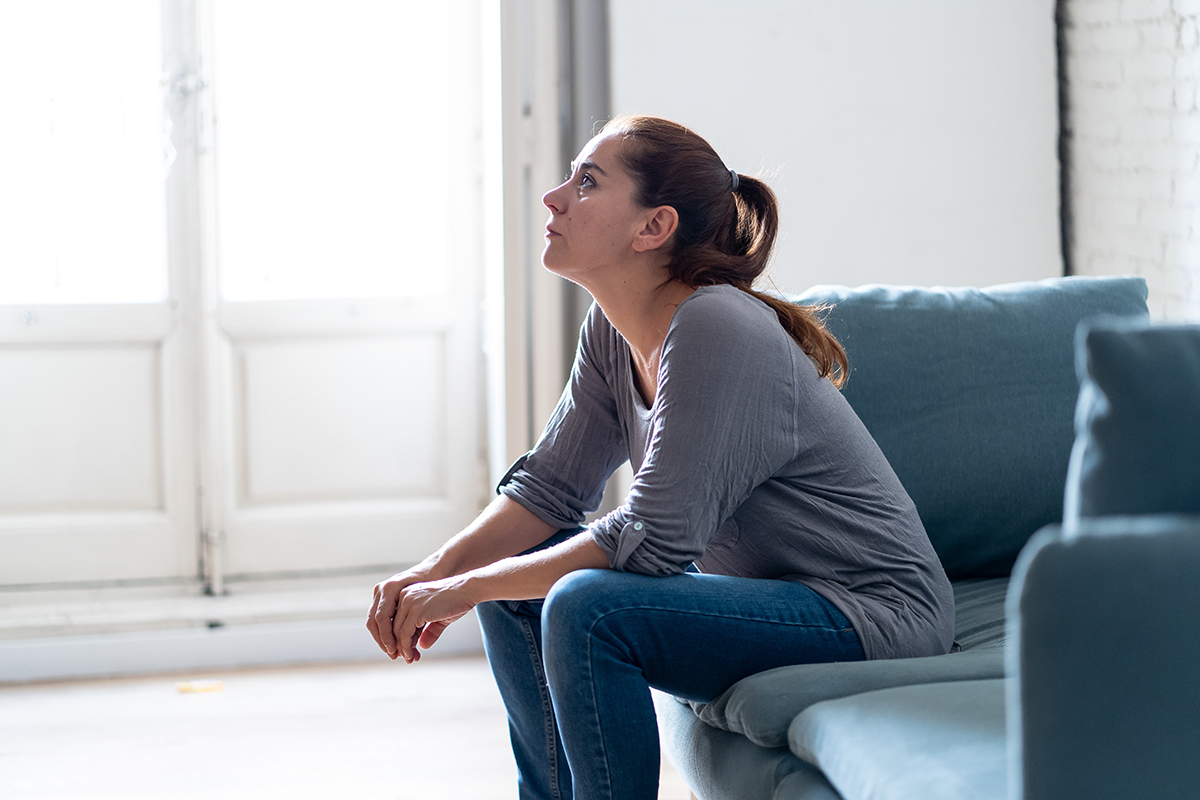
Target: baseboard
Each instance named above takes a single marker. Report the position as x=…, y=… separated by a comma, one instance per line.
x=206, y=649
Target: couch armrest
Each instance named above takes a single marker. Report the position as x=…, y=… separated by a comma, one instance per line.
x=1104, y=638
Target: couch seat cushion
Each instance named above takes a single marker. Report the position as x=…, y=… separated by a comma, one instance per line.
x=979, y=614
x=934, y=742
x=719, y=764
x=762, y=706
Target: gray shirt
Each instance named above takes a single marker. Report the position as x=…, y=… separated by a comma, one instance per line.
x=747, y=464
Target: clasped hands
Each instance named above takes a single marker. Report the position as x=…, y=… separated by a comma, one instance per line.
x=410, y=609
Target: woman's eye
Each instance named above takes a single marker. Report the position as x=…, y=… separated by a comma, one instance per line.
x=586, y=180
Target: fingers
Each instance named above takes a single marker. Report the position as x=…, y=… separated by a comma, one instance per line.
x=372, y=625
x=407, y=614
x=406, y=631
x=432, y=632
x=382, y=616
x=414, y=654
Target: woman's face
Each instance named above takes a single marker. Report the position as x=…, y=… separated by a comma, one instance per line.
x=593, y=216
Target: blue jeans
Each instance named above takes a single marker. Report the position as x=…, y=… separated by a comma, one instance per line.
x=575, y=669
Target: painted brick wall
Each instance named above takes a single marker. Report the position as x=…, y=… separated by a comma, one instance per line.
x=1133, y=127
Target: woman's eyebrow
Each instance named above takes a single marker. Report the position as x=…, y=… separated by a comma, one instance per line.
x=588, y=165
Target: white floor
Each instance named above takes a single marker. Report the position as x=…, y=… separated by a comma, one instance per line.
x=376, y=730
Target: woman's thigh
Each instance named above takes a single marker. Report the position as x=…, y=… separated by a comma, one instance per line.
x=693, y=635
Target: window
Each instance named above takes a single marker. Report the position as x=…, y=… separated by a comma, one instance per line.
x=235, y=256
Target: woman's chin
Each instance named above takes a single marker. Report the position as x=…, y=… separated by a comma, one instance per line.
x=554, y=264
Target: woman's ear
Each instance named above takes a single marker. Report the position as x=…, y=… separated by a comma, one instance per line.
x=660, y=226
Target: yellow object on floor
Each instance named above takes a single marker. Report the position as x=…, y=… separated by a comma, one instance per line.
x=192, y=687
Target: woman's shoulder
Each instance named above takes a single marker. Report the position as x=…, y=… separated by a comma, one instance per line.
x=596, y=330
x=726, y=313
x=721, y=329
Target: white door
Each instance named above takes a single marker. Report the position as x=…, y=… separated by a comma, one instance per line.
x=342, y=336
x=239, y=249
x=96, y=452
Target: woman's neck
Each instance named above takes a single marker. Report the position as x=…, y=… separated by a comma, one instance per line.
x=641, y=312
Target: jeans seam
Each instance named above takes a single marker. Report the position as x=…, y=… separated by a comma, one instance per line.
x=596, y=705
x=675, y=610
x=547, y=706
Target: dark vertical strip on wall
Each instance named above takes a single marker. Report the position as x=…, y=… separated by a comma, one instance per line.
x=1066, y=232
x=532, y=431
x=568, y=148
x=587, y=105
x=566, y=72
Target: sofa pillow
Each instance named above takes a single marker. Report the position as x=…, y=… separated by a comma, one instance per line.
x=970, y=394
x=1137, y=447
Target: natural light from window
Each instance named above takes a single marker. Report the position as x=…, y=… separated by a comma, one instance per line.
x=82, y=152
x=330, y=157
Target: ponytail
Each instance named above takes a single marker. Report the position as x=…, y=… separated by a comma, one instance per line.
x=727, y=228
x=804, y=324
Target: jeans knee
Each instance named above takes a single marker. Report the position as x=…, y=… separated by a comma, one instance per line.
x=574, y=600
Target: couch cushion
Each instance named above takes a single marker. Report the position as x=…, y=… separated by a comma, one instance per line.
x=762, y=706
x=1137, y=449
x=934, y=742
x=719, y=765
x=970, y=394
x=979, y=614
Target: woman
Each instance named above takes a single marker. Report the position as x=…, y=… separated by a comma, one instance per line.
x=748, y=465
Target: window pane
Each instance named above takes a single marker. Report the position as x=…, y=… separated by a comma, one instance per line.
x=331, y=123
x=82, y=200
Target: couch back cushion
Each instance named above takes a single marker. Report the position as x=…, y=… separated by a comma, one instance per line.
x=1137, y=446
x=970, y=394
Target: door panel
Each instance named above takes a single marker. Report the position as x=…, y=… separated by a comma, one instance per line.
x=336, y=419
x=87, y=422
x=350, y=433
x=96, y=473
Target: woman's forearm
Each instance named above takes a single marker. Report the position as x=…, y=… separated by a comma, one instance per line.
x=400, y=622
x=503, y=529
x=530, y=576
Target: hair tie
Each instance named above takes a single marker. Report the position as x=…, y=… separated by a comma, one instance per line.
x=733, y=174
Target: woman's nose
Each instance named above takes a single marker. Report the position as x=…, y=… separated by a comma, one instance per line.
x=553, y=199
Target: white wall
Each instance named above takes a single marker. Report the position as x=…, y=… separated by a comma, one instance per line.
x=910, y=142
x=1132, y=73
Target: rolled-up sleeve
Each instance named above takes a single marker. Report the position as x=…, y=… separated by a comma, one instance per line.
x=562, y=479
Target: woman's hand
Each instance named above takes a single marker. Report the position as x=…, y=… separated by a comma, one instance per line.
x=425, y=609
x=410, y=609
x=383, y=607
x=502, y=529
x=413, y=608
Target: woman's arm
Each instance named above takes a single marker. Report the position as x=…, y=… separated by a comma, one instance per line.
x=418, y=611
x=585, y=421
x=503, y=529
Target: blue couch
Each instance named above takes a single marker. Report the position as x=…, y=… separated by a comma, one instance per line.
x=972, y=394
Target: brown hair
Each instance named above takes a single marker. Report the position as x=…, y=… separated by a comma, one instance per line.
x=725, y=233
